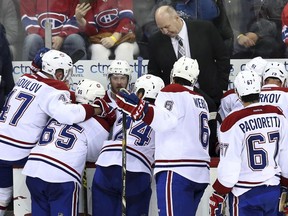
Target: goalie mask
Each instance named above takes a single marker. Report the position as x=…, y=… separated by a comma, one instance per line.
x=151, y=85
x=256, y=64
x=88, y=90
x=54, y=60
x=120, y=67
x=275, y=70
x=186, y=68
x=247, y=82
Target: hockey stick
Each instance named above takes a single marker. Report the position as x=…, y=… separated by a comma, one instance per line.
x=77, y=55
x=139, y=59
x=124, y=159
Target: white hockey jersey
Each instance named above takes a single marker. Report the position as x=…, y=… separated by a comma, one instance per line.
x=180, y=120
x=278, y=96
x=229, y=102
x=140, y=144
x=270, y=94
x=62, y=150
x=27, y=109
x=253, y=148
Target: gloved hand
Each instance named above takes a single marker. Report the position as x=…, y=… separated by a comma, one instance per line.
x=36, y=64
x=283, y=203
x=132, y=105
x=216, y=204
x=104, y=106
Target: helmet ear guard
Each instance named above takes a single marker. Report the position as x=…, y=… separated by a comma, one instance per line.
x=186, y=68
x=55, y=60
x=151, y=85
x=88, y=90
x=247, y=82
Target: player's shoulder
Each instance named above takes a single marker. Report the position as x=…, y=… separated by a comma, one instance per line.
x=274, y=88
x=56, y=84
x=238, y=115
x=177, y=88
x=229, y=93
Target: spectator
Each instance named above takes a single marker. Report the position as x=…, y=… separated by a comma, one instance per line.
x=9, y=19
x=201, y=41
x=6, y=68
x=107, y=182
x=258, y=32
x=253, y=154
x=181, y=145
x=63, y=150
x=110, y=26
x=65, y=35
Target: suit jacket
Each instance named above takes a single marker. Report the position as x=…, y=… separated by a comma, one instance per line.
x=206, y=45
x=6, y=67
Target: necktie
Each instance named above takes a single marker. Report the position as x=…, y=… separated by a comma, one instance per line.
x=181, y=50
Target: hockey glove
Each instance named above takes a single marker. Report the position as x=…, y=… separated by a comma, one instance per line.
x=216, y=204
x=283, y=203
x=132, y=105
x=105, y=108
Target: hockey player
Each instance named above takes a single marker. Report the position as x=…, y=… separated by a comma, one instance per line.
x=230, y=100
x=273, y=90
x=180, y=120
x=107, y=182
x=63, y=150
x=34, y=99
x=253, y=152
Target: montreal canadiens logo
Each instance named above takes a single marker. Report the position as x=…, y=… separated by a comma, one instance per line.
x=107, y=18
x=56, y=20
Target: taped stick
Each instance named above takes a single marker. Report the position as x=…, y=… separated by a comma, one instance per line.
x=140, y=60
x=124, y=160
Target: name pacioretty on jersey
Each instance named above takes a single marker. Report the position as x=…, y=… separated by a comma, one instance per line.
x=258, y=123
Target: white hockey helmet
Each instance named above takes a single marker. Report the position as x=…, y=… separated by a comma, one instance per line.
x=186, y=68
x=88, y=90
x=54, y=60
x=151, y=84
x=120, y=67
x=256, y=64
x=275, y=70
x=247, y=82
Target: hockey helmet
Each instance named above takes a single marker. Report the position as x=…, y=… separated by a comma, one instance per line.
x=186, y=68
x=151, y=84
x=275, y=70
x=88, y=90
x=247, y=82
x=120, y=67
x=54, y=60
x=256, y=64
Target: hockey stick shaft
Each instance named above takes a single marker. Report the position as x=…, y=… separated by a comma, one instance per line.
x=77, y=55
x=124, y=159
x=140, y=60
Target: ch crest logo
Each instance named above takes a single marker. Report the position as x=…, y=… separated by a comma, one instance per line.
x=169, y=105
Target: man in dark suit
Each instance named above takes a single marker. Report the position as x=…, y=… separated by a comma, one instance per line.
x=201, y=41
x=6, y=68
